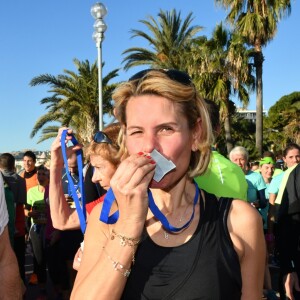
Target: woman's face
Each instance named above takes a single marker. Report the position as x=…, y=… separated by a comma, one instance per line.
x=103, y=171
x=292, y=158
x=153, y=122
x=43, y=177
x=267, y=171
x=240, y=160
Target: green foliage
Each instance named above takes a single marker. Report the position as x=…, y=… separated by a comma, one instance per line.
x=219, y=66
x=74, y=101
x=256, y=21
x=282, y=124
x=170, y=38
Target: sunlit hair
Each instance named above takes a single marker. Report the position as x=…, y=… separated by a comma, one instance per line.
x=187, y=101
x=239, y=150
x=290, y=147
x=107, y=151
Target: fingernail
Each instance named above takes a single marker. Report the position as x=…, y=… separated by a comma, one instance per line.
x=152, y=162
x=140, y=153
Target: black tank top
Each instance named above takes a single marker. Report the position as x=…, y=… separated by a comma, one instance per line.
x=206, y=267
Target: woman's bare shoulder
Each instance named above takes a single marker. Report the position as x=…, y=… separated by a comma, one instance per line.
x=244, y=225
x=243, y=216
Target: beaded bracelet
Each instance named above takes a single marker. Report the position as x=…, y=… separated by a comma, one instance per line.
x=126, y=241
x=117, y=266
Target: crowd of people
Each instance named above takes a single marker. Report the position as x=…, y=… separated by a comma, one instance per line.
x=167, y=216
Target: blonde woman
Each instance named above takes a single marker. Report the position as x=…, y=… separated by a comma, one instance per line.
x=191, y=246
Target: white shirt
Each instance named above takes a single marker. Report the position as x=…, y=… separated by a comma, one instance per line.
x=3, y=208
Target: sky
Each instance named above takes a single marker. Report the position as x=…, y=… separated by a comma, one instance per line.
x=44, y=37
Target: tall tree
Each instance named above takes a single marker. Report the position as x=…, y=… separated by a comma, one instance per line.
x=256, y=21
x=74, y=101
x=169, y=37
x=282, y=125
x=222, y=72
x=218, y=66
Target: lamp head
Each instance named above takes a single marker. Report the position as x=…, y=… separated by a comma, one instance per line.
x=98, y=11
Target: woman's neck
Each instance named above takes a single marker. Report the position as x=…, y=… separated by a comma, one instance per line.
x=181, y=195
x=267, y=180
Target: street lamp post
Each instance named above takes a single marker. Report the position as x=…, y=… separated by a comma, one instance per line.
x=98, y=12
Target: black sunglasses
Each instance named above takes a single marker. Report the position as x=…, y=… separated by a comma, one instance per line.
x=101, y=137
x=175, y=75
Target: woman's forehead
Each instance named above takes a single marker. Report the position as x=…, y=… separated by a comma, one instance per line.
x=97, y=159
x=147, y=108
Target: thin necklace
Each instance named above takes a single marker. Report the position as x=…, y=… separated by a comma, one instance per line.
x=161, y=217
x=166, y=234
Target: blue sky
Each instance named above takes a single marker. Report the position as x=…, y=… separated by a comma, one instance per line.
x=40, y=36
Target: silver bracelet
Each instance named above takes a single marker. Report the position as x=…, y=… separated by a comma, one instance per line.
x=117, y=266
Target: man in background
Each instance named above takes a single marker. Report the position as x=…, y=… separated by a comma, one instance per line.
x=30, y=176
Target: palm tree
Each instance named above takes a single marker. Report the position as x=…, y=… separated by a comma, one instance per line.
x=169, y=38
x=223, y=71
x=282, y=123
x=74, y=101
x=256, y=21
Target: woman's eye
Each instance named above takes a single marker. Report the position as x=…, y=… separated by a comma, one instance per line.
x=100, y=168
x=135, y=132
x=167, y=129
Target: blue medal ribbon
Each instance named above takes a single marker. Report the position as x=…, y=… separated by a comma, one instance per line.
x=79, y=202
x=112, y=219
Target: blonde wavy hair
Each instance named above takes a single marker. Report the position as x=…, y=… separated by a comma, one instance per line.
x=186, y=99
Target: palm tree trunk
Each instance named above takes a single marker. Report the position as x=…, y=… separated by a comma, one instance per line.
x=227, y=129
x=258, y=62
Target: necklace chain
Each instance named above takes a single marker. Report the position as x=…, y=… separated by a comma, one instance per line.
x=166, y=234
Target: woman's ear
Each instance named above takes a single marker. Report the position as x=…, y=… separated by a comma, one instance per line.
x=115, y=112
x=197, y=133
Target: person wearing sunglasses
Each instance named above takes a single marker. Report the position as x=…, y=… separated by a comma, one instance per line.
x=164, y=238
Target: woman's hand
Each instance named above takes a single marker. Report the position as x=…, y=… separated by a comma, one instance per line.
x=130, y=184
x=77, y=259
x=56, y=153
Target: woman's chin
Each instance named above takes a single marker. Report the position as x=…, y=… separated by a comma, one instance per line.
x=157, y=185
x=154, y=184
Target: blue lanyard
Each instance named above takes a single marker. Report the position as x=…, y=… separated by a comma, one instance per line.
x=111, y=219
x=79, y=202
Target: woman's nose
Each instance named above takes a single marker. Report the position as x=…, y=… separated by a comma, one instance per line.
x=149, y=143
x=95, y=177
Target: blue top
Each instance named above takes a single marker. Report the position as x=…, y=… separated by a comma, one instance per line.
x=255, y=184
x=273, y=188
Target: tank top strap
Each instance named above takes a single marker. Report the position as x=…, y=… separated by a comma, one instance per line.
x=224, y=205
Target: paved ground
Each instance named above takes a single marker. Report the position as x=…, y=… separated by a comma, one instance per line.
x=32, y=291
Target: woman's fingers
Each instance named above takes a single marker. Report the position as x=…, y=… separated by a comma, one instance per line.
x=134, y=171
x=130, y=184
